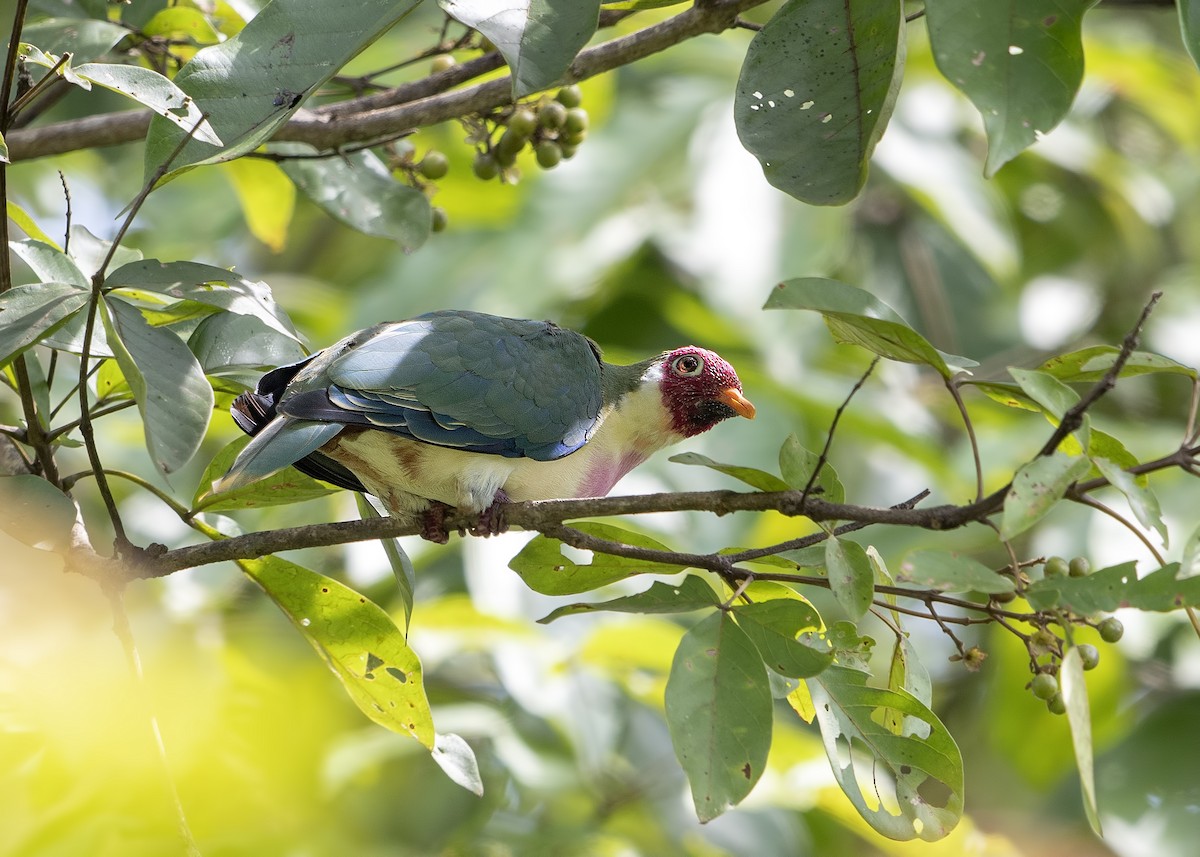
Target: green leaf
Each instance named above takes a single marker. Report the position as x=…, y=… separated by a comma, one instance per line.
x=181, y=22
x=905, y=785
x=856, y=316
x=544, y=568
x=86, y=38
x=851, y=649
x=1019, y=61
x=786, y=633
x=718, y=709
x=907, y=673
x=689, y=595
x=49, y=263
x=1089, y=365
x=267, y=197
x=1074, y=691
x=252, y=83
x=29, y=314
x=759, y=479
x=28, y=225
x=1189, y=563
x=1141, y=499
x=1054, y=397
x=358, y=641
x=1036, y=488
x=4, y=159
x=287, y=486
x=1109, y=589
x=538, y=38
x=1189, y=25
x=850, y=576
x=35, y=513
x=950, y=572
x=457, y=760
x=797, y=464
x=225, y=343
x=1009, y=395
x=402, y=567
x=359, y=191
x=816, y=91
x=172, y=393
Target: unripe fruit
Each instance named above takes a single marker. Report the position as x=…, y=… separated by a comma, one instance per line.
x=523, y=122
x=1079, y=567
x=569, y=96
x=568, y=152
x=434, y=165
x=506, y=150
x=571, y=139
x=1044, y=686
x=1056, y=566
x=576, y=121
x=1089, y=656
x=1056, y=704
x=548, y=154
x=552, y=115
x=485, y=166
x=440, y=220
x=1111, y=630
x=1005, y=597
x=442, y=62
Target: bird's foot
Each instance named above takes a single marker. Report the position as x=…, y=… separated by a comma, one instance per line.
x=491, y=520
x=433, y=523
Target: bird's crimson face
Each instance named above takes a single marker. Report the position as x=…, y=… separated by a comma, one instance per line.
x=699, y=389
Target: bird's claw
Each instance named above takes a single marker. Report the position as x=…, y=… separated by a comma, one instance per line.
x=433, y=523
x=492, y=520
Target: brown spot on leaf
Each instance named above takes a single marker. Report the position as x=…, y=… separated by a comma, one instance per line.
x=746, y=770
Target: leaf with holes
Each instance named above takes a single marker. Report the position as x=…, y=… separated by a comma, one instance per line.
x=1036, y=488
x=29, y=314
x=786, y=633
x=357, y=639
x=544, y=568
x=689, y=595
x=753, y=477
x=951, y=572
x=287, y=486
x=718, y=709
x=904, y=785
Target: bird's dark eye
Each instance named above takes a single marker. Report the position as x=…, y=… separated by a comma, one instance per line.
x=688, y=364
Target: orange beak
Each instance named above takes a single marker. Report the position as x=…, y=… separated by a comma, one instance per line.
x=733, y=397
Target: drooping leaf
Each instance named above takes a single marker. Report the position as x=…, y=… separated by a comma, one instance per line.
x=29, y=314
x=797, y=465
x=90, y=252
x=1189, y=25
x=1036, y=488
x=718, y=709
x=816, y=91
x=545, y=569
x=1074, y=692
x=1055, y=397
x=1009, y=395
x=905, y=785
x=224, y=343
x=34, y=512
x=689, y=595
x=172, y=394
x=457, y=760
x=402, y=567
x=48, y=262
x=252, y=83
x=787, y=634
x=267, y=197
x=357, y=639
x=759, y=479
x=951, y=572
x=1108, y=589
x=1019, y=61
x=856, y=316
x=28, y=225
x=538, y=38
x=1088, y=365
x=86, y=38
x=850, y=576
x=1141, y=499
x=287, y=486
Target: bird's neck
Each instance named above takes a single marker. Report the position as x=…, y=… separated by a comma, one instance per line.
x=637, y=419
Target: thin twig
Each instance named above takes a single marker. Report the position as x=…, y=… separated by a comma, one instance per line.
x=966, y=418
x=33, y=91
x=837, y=416
x=67, y=228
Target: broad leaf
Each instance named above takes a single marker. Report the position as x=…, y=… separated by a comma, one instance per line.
x=457, y=760
x=252, y=83
x=850, y=576
x=1036, y=488
x=267, y=197
x=1141, y=499
x=28, y=225
x=689, y=595
x=1019, y=61
x=786, y=633
x=1090, y=364
x=357, y=639
x=797, y=465
x=907, y=673
x=759, y=479
x=1118, y=586
x=225, y=343
x=851, y=649
x=544, y=568
x=402, y=567
x=816, y=91
x=35, y=513
x=905, y=785
x=1189, y=24
x=950, y=572
x=1074, y=693
x=29, y=314
x=173, y=395
x=1055, y=397
x=86, y=38
x=538, y=38
x=49, y=263
x=90, y=252
x=151, y=89
x=287, y=486
x=718, y=709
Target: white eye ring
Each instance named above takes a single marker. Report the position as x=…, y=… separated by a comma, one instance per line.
x=688, y=365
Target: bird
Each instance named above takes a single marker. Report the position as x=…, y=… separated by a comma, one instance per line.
x=468, y=410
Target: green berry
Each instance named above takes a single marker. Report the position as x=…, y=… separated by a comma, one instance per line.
x=572, y=139
x=576, y=121
x=442, y=62
x=570, y=96
x=1056, y=566
x=485, y=166
x=552, y=115
x=1056, y=704
x=1004, y=597
x=1089, y=656
x=1111, y=630
x=508, y=147
x=1044, y=686
x=523, y=122
x=548, y=154
x=440, y=220
x=434, y=165
x=1079, y=567
x=568, y=152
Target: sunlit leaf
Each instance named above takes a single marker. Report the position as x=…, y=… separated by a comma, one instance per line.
x=287, y=486
x=29, y=314
x=951, y=572
x=86, y=38
x=1141, y=499
x=34, y=512
x=181, y=22
x=907, y=673
x=753, y=477
x=357, y=639
x=689, y=595
x=850, y=576
x=816, y=91
x=224, y=342
x=905, y=785
x=28, y=225
x=267, y=197
x=718, y=708
x=49, y=263
x=786, y=633
x=151, y=89
x=797, y=465
x=1074, y=692
x=1036, y=488
x=456, y=758
x=1109, y=589
x=90, y=252
x=545, y=569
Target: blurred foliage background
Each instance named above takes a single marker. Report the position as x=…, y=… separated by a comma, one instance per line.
x=661, y=231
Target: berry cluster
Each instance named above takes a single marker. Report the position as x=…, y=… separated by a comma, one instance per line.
x=553, y=127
